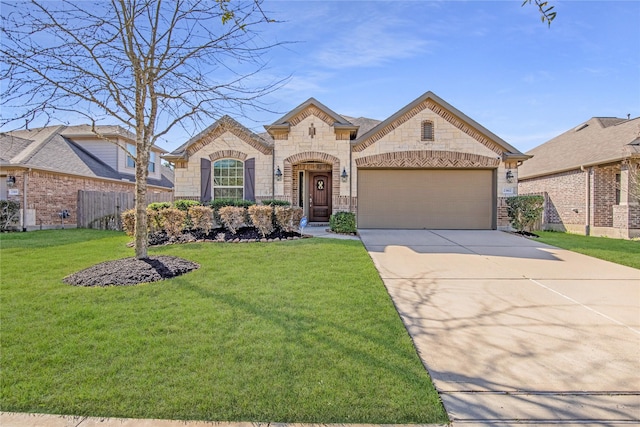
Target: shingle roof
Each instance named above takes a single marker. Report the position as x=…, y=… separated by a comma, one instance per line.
x=11, y=146
x=599, y=140
x=51, y=148
x=365, y=124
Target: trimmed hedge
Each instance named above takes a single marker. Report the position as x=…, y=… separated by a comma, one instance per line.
x=343, y=222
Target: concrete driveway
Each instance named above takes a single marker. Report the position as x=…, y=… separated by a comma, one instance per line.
x=515, y=331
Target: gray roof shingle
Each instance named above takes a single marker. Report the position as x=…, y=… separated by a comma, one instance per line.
x=52, y=148
x=599, y=140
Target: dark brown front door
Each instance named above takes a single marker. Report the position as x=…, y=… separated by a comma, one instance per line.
x=320, y=197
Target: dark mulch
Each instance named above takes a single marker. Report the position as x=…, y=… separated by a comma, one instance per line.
x=131, y=271
x=525, y=233
x=244, y=234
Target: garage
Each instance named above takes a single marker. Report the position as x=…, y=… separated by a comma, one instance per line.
x=452, y=199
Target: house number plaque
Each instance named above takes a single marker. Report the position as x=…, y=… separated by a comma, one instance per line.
x=320, y=184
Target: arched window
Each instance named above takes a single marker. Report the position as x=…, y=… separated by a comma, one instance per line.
x=228, y=179
x=427, y=130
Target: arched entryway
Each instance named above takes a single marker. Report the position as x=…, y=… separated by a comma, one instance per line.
x=312, y=180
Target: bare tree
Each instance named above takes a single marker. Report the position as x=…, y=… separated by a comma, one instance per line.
x=150, y=65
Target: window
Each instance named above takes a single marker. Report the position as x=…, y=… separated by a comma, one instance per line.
x=427, y=130
x=152, y=161
x=617, y=189
x=131, y=161
x=131, y=154
x=228, y=179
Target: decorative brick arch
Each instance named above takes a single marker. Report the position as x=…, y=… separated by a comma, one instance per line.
x=227, y=154
x=427, y=159
x=311, y=156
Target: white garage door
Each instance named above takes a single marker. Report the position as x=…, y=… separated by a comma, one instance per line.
x=426, y=198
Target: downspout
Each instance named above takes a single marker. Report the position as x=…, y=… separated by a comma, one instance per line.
x=24, y=199
x=587, y=201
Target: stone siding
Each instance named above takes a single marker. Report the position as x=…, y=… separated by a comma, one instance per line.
x=224, y=145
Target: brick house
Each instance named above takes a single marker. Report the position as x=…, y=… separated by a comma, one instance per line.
x=44, y=168
x=589, y=176
x=427, y=166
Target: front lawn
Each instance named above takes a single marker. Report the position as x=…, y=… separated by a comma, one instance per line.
x=625, y=252
x=297, y=331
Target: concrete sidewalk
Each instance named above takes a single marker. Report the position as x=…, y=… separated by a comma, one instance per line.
x=325, y=232
x=12, y=419
x=514, y=331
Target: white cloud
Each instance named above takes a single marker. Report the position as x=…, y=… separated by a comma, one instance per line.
x=371, y=43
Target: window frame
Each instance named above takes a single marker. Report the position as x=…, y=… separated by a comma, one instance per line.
x=423, y=134
x=130, y=161
x=131, y=152
x=239, y=175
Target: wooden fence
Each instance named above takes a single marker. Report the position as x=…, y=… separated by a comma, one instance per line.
x=102, y=210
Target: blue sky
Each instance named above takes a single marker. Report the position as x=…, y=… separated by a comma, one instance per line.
x=493, y=60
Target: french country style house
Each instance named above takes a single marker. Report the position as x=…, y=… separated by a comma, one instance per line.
x=427, y=166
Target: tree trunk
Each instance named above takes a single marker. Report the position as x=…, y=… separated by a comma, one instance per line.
x=141, y=234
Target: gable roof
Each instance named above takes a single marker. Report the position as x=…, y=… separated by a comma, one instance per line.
x=315, y=107
x=450, y=113
x=223, y=124
x=52, y=149
x=599, y=140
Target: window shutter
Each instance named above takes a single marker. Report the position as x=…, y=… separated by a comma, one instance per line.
x=205, y=180
x=250, y=179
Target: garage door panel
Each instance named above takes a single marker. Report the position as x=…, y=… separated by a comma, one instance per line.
x=435, y=199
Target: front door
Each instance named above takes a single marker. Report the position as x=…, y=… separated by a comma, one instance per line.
x=319, y=196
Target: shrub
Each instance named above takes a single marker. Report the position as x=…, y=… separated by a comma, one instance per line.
x=232, y=217
x=159, y=206
x=128, y=221
x=9, y=213
x=201, y=218
x=288, y=218
x=276, y=202
x=343, y=222
x=173, y=221
x=216, y=204
x=184, y=205
x=524, y=211
x=155, y=219
x=262, y=218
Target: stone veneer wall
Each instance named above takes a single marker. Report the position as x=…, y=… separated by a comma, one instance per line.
x=218, y=146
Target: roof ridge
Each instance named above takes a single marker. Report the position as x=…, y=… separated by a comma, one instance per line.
x=32, y=149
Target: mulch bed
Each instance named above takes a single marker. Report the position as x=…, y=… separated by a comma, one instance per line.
x=131, y=271
x=244, y=234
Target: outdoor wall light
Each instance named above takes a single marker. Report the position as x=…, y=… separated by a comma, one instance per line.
x=344, y=175
x=509, y=176
x=11, y=181
x=278, y=174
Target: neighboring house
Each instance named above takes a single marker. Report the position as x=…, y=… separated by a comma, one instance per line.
x=590, y=177
x=44, y=168
x=426, y=166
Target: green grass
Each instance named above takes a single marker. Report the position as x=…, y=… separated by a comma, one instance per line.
x=297, y=331
x=625, y=252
